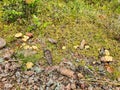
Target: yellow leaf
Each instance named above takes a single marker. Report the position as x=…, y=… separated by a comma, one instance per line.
x=35, y=47
x=25, y=38
x=63, y=47
x=76, y=46
x=29, y=65
x=26, y=47
x=18, y=35
x=107, y=53
x=87, y=46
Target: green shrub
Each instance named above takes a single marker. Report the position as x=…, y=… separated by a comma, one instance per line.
x=14, y=9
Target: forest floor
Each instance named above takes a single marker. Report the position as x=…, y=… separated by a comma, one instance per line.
x=66, y=46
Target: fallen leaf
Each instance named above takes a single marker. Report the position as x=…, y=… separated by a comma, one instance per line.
x=68, y=87
x=73, y=86
x=118, y=78
x=8, y=54
x=25, y=38
x=87, y=47
x=66, y=72
x=29, y=73
x=106, y=59
x=18, y=35
x=29, y=1
x=107, y=53
x=35, y=47
x=109, y=69
x=77, y=46
x=80, y=75
x=82, y=44
x=63, y=47
x=26, y=47
x=30, y=35
x=29, y=65
x=2, y=43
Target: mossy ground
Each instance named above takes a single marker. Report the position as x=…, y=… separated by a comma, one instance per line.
x=69, y=23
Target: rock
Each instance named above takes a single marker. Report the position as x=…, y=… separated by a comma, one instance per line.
x=18, y=35
x=85, y=70
x=2, y=43
x=49, y=83
x=106, y=59
x=38, y=69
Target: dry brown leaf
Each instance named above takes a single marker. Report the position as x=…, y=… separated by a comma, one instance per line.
x=68, y=87
x=29, y=73
x=82, y=44
x=30, y=35
x=66, y=72
x=109, y=69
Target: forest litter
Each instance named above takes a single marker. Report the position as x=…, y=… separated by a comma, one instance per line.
x=65, y=76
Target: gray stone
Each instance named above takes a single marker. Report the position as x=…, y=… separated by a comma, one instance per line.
x=2, y=43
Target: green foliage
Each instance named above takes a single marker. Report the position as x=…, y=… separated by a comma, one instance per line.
x=14, y=9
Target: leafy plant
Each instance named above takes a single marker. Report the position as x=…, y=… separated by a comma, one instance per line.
x=14, y=9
